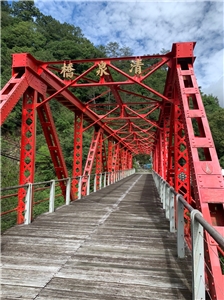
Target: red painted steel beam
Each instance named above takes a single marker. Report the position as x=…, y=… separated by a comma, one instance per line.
x=73, y=103
x=28, y=148
x=97, y=60
x=206, y=173
x=11, y=94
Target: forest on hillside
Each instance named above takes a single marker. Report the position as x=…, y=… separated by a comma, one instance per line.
x=25, y=29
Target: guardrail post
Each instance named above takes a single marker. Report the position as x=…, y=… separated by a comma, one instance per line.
x=28, y=204
x=172, y=212
x=167, y=202
x=157, y=182
x=88, y=186
x=100, y=181
x=198, y=280
x=52, y=196
x=155, y=179
x=68, y=191
x=164, y=194
x=94, y=188
x=80, y=188
x=161, y=189
x=108, y=178
x=180, y=228
x=105, y=180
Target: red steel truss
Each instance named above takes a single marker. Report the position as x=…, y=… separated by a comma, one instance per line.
x=127, y=116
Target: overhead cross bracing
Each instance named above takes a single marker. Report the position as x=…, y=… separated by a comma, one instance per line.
x=125, y=115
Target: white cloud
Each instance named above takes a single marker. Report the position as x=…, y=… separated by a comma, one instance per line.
x=147, y=27
x=217, y=89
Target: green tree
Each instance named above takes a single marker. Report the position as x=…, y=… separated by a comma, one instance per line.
x=23, y=35
x=210, y=102
x=216, y=122
x=25, y=10
x=113, y=49
x=215, y=115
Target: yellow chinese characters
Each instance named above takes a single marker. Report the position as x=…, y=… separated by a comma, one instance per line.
x=136, y=64
x=67, y=71
x=102, y=69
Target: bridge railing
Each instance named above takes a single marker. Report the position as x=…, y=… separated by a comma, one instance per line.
x=174, y=204
x=48, y=194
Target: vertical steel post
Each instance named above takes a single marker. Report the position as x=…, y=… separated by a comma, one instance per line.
x=28, y=148
x=99, y=163
x=77, y=160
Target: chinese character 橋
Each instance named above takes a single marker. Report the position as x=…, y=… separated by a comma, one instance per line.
x=102, y=69
x=67, y=70
x=136, y=64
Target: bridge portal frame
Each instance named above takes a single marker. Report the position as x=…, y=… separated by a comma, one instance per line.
x=182, y=124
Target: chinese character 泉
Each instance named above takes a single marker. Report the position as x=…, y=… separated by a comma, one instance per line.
x=102, y=69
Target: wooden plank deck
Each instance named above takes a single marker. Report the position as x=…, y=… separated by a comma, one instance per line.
x=113, y=244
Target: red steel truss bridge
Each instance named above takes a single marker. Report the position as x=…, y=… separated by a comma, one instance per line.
x=127, y=116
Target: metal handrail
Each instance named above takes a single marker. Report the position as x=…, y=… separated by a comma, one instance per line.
x=104, y=182
x=213, y=232
x=198, y=223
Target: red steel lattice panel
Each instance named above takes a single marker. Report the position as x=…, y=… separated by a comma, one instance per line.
x=77, y=157
x=28, y=147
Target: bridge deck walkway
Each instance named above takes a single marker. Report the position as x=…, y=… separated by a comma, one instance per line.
x=112, y=244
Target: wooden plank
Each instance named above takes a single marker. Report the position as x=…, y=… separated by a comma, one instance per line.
x=113, y=244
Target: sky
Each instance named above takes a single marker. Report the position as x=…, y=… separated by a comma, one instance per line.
x=147, y=27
